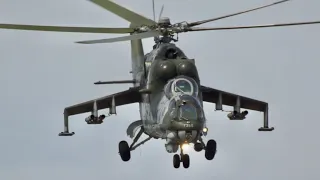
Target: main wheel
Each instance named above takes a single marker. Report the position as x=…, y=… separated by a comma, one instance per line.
x=185, y=160
x=176, y=161
x=198, y=147
x=211, y=149
x=124, y=151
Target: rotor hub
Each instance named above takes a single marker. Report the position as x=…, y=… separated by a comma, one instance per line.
x=164, y=21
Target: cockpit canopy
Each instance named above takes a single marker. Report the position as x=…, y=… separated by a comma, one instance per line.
x=188, y=112
x=186, y=107
x=181, y=85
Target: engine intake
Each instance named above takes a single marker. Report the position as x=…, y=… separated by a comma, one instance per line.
x=237, y=116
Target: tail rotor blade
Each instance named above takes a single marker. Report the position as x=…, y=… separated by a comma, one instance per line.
x=123, y=38
x=234, y=14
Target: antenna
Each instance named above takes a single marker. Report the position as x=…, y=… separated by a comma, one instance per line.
x=154, y=12
x=161, y=11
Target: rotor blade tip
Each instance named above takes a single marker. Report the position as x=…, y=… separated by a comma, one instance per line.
x=81, y=42
x=281, y=1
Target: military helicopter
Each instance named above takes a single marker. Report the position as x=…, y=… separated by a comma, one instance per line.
x=166, y=84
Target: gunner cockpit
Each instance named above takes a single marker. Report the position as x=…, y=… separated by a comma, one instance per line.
x=184, y=103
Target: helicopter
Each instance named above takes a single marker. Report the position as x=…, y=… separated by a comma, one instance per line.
x=166, y=84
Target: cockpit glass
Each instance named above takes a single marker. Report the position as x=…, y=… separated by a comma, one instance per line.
x=181, y=85
x=188, y=112
x=184, y=86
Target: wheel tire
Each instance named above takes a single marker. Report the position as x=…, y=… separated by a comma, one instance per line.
x=198, y=147
x=211, y=149
x=176, y=161
x=185, y=160
x=124, y=151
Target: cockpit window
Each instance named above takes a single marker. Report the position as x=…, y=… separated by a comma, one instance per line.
x=188, y=112
x=184, y=86
x=181, y=85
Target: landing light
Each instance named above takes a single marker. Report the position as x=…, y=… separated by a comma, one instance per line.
x=205, y=130
x=185, y=147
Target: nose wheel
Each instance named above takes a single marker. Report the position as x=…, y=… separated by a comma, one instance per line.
x=177, y=159
x=184, y=158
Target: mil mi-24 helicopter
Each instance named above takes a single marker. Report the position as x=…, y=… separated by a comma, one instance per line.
x=166, y=84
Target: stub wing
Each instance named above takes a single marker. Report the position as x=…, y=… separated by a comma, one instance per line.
x=220, y=98
x=122, y=98
x=129, y=96
x=229, y=99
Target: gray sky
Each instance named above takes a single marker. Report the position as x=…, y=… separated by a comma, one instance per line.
x=43, y=72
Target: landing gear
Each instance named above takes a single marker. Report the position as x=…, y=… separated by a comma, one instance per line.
x=184, y=158
x=176, y=161
x=211, y=149
x=125, y=149
x=198, y=147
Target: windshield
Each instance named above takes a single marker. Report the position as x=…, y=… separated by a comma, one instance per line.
x=188, y=112
x=181, y=85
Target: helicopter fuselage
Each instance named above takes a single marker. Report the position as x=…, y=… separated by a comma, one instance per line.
x=171, y=106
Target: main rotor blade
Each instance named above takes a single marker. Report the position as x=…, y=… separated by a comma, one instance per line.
x=249, y=27
x=123, y=38
x=67, y=29
x=115, y=82
x=234, y=14
x=124, y=12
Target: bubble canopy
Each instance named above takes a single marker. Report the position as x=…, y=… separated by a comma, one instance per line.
x=181, y=85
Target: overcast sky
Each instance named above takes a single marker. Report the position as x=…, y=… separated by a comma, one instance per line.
x=42, y=72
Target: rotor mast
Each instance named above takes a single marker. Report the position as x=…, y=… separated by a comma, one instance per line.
x=164, y=24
